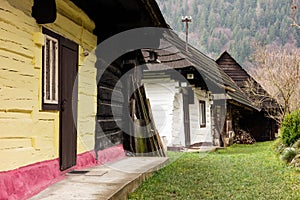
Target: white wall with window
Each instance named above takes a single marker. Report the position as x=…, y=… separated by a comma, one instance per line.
x=200, y=117
x=166, y=100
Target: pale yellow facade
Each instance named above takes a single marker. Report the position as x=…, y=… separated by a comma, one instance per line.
x=27, y=133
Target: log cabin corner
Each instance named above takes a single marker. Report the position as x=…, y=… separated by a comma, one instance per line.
x=260, y=124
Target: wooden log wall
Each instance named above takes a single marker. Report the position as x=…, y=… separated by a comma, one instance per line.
x=108, y=132
x=263, y=127
x=110, y=118
x=29, y=134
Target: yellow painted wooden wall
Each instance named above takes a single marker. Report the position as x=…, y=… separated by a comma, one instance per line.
x=28, y=134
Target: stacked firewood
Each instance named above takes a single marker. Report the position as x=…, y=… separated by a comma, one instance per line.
x=243, y=137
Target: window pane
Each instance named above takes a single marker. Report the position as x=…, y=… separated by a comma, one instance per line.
x=202, y=114
x=50, y=71
x=47, y=70
x=53, y=77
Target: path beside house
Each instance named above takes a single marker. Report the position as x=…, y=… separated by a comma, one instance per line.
x=113, y=180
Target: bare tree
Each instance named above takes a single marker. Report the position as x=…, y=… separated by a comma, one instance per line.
x=262, y=99
x=294, y=13
x=277, y=71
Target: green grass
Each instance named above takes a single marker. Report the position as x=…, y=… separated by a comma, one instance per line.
x=238, y=172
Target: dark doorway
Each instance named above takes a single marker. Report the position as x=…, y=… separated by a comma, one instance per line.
x=68, y=114
x=186, y=118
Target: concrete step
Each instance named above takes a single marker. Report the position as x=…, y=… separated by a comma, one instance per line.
x=114, y=180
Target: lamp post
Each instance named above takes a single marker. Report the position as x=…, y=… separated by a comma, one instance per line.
x=186, y=19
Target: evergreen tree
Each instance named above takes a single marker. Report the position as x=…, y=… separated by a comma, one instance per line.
x=238, y=22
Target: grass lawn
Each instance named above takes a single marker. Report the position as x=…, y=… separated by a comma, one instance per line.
x=238, y=172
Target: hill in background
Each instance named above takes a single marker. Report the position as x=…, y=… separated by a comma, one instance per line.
x=233, y=25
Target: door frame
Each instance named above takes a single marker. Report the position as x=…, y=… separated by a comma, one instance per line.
x=69, y=160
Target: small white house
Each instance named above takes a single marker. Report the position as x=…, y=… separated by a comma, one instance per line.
x=182, y=112
x=193, y=99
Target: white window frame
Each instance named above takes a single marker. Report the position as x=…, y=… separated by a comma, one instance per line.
x=202, y=113
x=51, y=96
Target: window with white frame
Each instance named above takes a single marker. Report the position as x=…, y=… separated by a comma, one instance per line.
x=50, y=71
x=202, y=114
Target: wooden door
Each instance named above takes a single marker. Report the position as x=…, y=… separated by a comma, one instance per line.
x=68, y=100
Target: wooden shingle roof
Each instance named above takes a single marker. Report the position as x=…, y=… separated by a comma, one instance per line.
x=172, y=54
x=240, y=76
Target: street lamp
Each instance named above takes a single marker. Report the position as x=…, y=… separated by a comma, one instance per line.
x=186, y=19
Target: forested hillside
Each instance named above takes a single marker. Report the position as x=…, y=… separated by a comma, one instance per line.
x=233, y=25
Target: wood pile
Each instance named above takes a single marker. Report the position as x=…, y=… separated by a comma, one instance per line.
x=243, y=137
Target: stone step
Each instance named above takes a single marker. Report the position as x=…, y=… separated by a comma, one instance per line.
x=114, y=180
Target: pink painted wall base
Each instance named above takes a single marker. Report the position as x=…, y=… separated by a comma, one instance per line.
x=110, y=154
x=29, y=180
